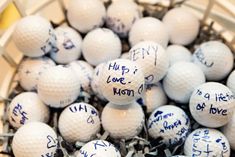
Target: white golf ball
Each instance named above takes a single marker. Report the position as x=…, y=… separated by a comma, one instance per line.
x=231, y=81
x=125, y=55
x=182, y=25
x=152, y=59
x=86, y=15
x=122, y=81
x=101, y=45
x=122, y=122
x=206, y=143
x=79, y=122
x=96, y=81
x=148, y=29
x=84, y=73
x=169, y=122
x=228, y=130
x=212, y=104
x=181, y=80
x=68, y=45
x=98, y=148
x=34, y=36
x=33, y=140
x=58, y=86
x=215, y=59
x=177, y=53
x=30, y=70
x=121, y=15
x=27, y=107
x=180, y=156
x=154, y=97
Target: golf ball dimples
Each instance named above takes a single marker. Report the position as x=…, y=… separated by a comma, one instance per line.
x=154, y=97
x=34, y=36
x=98, y=148
x=121, y=15
x=123, y=122
x=231, y=82
x=79, y=122
x=122, y=81
x=30, y=70
x=181, y=79
x=178, y=53
x=152, y=59
x=58, y=87
x=84, y=73
x=33, y=140
x=86, y=15
x=27, y=107
x=68, y=45
x=228, y=130
x=95, y=83
x=169, y=122
x=215, y=59
x=101, y=45
x=206, y=142
x=182, y=25
x=148, y=29
x=212, y=104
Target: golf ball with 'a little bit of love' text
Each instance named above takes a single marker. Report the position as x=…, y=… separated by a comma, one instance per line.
x=86, y=15
x=98, y=148
x=122, y=81
x=181, y=79
x=31, y=69
x=58, y=86
x=34, y=36
x=206, y=142
x=101, y=45
x=123, y=122
x=215, y=59
x=34, y=139
x=68, y=45
x=212, y=104
x=228, y=130
x=79, y=122
x=152, y=59
x=27, y=107
x=169, y=122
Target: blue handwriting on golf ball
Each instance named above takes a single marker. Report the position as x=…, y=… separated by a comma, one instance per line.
x=201, y=58
x=18, y=110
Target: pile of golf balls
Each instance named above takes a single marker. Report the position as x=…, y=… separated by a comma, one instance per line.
x=118, y=82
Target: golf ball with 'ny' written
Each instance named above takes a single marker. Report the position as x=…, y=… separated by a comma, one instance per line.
x=79, y=122
x=123, y=122
x=58, y=87
x=169, y=122
x=34, y=36
x=212, y=104
x=34, y=139
x=122, y=81
x=152, y=59
x=206, y=142
x=98, y=148
x=31, y=69
x=27, y=107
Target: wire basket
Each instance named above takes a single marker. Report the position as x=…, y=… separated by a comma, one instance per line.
x=214, y=25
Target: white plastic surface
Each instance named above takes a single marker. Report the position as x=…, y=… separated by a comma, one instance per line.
x=123, y=122
x=33, y=140
x=212, y=104
x=79, y=122
x=27, y=107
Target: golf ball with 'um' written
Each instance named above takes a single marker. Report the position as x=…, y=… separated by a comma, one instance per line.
x=152, y=59
x=212, y=104
x=98, y=148
x=34, y=139
x=169, y=122
x=27, y=107
x=206, y=142
x=122, y=81
x=58, y=87
x=34, y=36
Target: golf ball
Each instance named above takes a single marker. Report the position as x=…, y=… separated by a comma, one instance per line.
x=228, y=130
